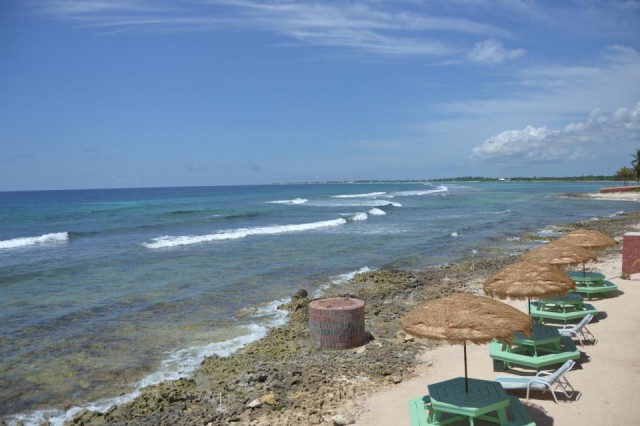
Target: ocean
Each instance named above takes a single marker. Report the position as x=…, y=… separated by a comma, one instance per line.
x=103, y=292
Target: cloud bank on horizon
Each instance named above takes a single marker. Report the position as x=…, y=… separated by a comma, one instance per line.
x=540, y=145
x=200, y=92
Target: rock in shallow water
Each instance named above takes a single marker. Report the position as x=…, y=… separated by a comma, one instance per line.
x=300, y=294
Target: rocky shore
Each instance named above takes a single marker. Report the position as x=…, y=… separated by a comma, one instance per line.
x=282, y=380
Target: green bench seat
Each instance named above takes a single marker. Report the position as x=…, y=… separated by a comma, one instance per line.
x=558, y=316
x=603, y=289
x=418, y=412
x=498, y=352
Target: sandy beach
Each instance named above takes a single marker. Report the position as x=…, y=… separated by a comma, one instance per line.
x=607, y=377
x=611, y=196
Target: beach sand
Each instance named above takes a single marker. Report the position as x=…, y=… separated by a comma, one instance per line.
x=611, y=196
x=607, y=377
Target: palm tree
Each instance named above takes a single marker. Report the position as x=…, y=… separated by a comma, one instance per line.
x=636, y=164
x=625, y=174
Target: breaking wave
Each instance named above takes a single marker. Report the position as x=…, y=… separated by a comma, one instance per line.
x=439, y=189
x=234, y=234
x=376, y=212
x=295, y=201
x=340, y=279
x=355, y=202
x=29, y=241
x=369, y=195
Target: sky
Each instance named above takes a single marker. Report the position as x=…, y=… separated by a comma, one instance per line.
x=149, y=93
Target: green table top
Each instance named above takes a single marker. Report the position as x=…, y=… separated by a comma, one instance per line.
x=483, y=396
x=540, y=335
x=569, y=298
x=586, y=276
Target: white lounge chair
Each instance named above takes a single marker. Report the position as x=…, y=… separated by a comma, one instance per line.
x=579, y=330
x=544, y=381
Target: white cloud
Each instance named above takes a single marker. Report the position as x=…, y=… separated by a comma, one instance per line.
x=552, y=94
x=540, y=145
x=69, y=8
x=364, y=26
x=491, y=51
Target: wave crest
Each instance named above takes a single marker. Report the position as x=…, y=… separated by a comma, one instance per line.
x=376, y=212
x=28, y=241
x=369, y=195
x=234, y=234
x=439, y=189
x=295, y=201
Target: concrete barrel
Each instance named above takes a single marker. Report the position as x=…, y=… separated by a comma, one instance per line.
x=337, y=323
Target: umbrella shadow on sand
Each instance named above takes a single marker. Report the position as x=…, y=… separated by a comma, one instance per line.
x=538, y=414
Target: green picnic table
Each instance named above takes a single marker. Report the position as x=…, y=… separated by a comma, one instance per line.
x=585, y=277
x=542, y=336
x=484, y=400
x=592, y=283
x=543, y=311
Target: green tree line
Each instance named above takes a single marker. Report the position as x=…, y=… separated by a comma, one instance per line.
x=626, y=174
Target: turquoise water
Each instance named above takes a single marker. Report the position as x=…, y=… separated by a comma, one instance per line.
x=105, y=291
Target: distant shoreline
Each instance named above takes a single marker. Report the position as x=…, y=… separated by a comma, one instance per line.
x=585, y=179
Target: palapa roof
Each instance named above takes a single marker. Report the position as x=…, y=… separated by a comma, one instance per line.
x=586, y=238
x=465, y=317
x=523, y=279
x=559, y=253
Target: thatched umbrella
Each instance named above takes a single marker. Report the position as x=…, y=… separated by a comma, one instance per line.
x=523, y=280
x=463, y=317
x=586, y=238
x=559, y=253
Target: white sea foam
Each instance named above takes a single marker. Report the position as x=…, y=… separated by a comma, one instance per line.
x=356, y=203
x=233, y=234
x=376, y=212
x=180, y=363
x=277, y=317
x=360, y=216
x=438, y=190
x=28, y=241
x=340, y=280
x=499, y=212
x=369, y=195
x=621, y=212
x=550, y=231
x=291, y=202
x=454, y=234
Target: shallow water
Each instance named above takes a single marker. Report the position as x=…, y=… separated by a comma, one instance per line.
x=104, y=291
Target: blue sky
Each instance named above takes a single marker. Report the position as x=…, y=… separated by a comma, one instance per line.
x=136, y=93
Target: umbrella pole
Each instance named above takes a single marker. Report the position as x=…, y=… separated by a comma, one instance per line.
x=529, y=305
x=466, y=383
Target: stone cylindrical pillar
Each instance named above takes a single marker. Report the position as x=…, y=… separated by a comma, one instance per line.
x=337, y=323
x=631, y=253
